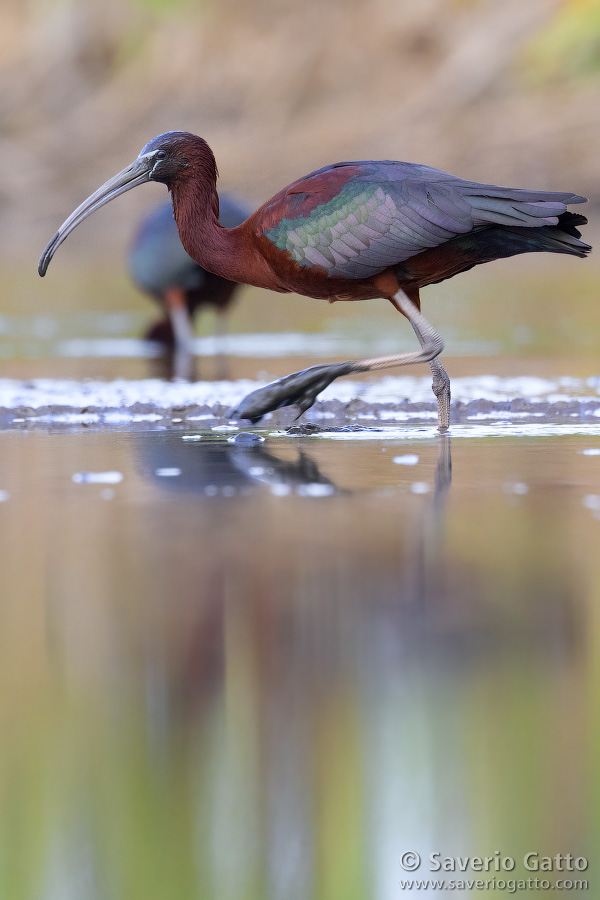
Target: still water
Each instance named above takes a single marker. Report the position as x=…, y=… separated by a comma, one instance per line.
x=268, y=669
x=279, y=669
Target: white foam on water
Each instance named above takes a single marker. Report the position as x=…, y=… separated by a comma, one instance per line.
x=392, y=389
x=430, y=432
x=98, y=477
x=389, y=389
x=409, y=459
x=65, y=418
x=280, y=490
x=504, y=415
x=315, y=490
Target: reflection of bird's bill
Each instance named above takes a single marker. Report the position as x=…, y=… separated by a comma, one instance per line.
x=137, y=173
x=265, y=468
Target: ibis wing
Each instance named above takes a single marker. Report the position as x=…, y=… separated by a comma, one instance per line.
x=381, y=214
x=367, y=227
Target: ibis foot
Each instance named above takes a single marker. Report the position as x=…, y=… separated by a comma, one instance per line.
x=301, y=388
x=441, y=389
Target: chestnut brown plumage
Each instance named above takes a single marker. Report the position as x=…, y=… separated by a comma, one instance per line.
x=350, y=231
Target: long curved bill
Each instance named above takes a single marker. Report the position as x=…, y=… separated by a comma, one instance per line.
x=137, y=173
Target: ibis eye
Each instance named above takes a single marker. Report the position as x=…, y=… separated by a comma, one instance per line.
x=161, y=154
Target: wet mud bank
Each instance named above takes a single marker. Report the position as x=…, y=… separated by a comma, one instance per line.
x=152, y=403
x=328, y=415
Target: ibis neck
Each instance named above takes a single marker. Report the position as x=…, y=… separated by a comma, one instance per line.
x=218, y=250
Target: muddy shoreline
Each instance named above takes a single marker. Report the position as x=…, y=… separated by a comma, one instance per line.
x=325, y=415
x=152, y=403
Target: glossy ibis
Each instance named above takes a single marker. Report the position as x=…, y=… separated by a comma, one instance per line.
x=349, y=231
x=160, y=267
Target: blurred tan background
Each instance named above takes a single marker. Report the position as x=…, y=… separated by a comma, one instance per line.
x=504, y=92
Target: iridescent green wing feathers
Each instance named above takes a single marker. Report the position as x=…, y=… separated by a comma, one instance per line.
x=356, y=234
x=387, y=212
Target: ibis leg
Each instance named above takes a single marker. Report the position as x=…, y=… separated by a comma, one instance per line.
x=303, y=387
x=440, y=386
x=221, y=328
x=180, y=319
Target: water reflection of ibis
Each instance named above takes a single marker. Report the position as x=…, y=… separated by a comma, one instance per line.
x=219, y=468
x=264, y=700
x=351, y=231
x=237, y=466
x=330, y=650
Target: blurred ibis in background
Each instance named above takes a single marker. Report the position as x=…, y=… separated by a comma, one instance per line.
x=159, y=266
x=349, y=231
